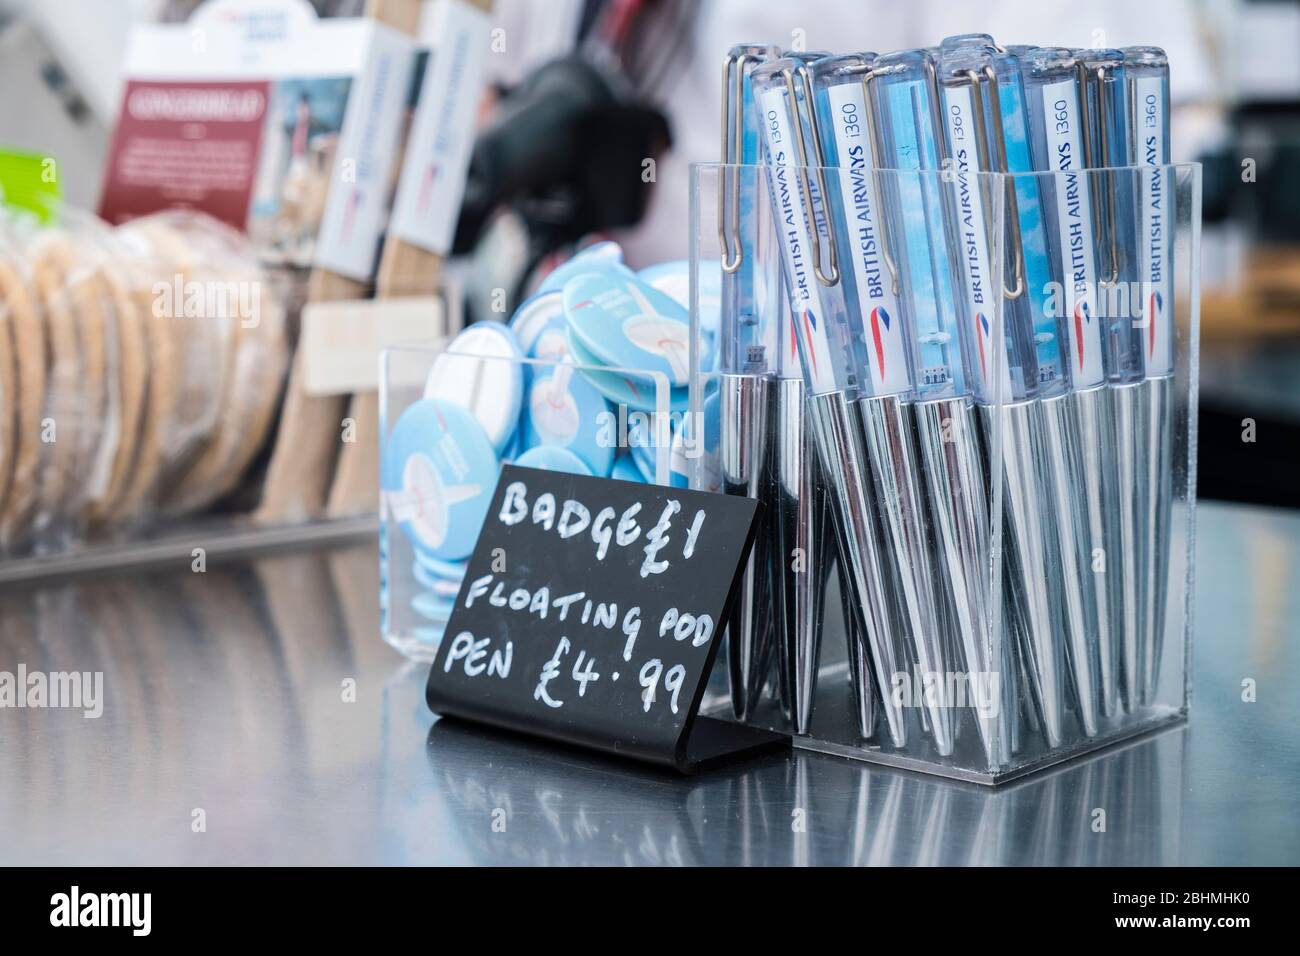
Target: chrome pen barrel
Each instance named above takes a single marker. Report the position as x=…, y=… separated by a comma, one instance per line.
x=837, y=433
x=802, y=549
x=953, y=464
x=1026, y=511
x=744, y=449
x=862, y=679
x=1094, y=410
x=888, y=432
x=1130, y=419
x=1159, y=481
x=1065, y=471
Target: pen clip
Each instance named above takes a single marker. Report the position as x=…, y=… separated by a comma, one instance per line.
x=819, y=171
x=732, y=136
x=1102, y=159
x=982, y=137
x=877, y=150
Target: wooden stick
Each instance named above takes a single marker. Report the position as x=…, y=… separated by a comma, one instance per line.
x=311, y=426
x=307, y=444
x=404, y=270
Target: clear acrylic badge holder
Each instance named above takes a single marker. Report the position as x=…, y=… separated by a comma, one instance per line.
x=976, y=582
x=416, y=589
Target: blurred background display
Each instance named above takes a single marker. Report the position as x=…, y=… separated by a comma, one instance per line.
x=578, y=88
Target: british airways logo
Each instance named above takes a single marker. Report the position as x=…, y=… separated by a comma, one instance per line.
x=810, y=324
x=879, y=317
x=1154, y=311
x=350, y=212
x=1082, y=317
x=981, y=333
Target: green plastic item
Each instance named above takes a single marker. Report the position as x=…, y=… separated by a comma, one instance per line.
x=29, y=183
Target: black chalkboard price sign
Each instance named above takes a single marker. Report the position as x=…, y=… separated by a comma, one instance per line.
x=590, y=614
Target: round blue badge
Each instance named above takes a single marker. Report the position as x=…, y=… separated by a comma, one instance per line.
x=625, y=469
x=430, y=635
x=447, y=570
x=514, y=447
x=600, y=257
x=674, y=280
x=536, y=313
x=634, y=391
x=553, y=458
x=551, y=344
x=691, y=447
x=643, y=454
x=481, y=372
x=433, y=608
x=628, y=324
x=435, y=584
x=564, y=410
x=438, y=474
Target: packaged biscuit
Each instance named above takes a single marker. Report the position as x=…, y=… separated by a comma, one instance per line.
x=23, y=393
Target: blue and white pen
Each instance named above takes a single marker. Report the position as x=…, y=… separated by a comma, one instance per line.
x=803, y=537
x=848, y=138
x=1104, y=97
x=748, y=361
x=904, y=104
x=1148, y=78
x=1080, y=421
x=826, y=352
x=1008, y=374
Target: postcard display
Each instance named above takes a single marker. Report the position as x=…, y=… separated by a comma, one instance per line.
x=280, y=124
x=288, y=128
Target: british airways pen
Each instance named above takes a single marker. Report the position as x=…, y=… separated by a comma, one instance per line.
x=1079, y=419
x=849, y=142
x=829, y=366
x=1104, y=98
x=974, y=82
x=904, y=101
x=803, y=536
x=1148, y=78
x=748, y=354
x=1066, y=587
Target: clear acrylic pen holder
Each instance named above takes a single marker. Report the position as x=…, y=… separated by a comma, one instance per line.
x=990, y=570
x=435, y=488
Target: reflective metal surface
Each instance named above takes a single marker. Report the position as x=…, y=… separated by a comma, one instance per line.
x=225, y=692
x=1158, y=448
x=1095, y=412
x=803, y=548
x=743, y=453
x=949, y=441
x=1027, y=517
x=836, y=425
x=1065, y=471
x=1129, y=422
x=890, y=442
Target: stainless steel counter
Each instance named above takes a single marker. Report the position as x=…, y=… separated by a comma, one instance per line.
x=228, y=736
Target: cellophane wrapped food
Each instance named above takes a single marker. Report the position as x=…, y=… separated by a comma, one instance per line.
x=141, y=369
